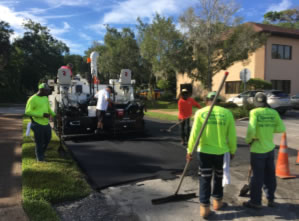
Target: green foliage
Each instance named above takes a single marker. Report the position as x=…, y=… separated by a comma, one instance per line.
x=80, y=65
x=217, y=38
x=39, y=210
x=164, y=48
x=5, y=47
x=257, y=83
x=120, y=51
x=163, y=84
x=287, y=18
x=162, y=105
x=239, y=112
x=57, y=180
x=41, y=53
x=27, y=60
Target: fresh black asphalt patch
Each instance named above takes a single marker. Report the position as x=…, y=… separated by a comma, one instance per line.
x=111, y=161
x=123, y=159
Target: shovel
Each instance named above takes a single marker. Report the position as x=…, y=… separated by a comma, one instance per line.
x=179, y=197
x=246, y=188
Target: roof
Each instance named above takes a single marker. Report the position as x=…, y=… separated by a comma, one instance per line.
x=276, y=30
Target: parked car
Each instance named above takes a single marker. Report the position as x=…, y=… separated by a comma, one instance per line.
x=276, y=99
x=295, y=101
x=246, y=96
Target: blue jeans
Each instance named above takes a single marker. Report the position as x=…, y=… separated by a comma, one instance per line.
x=42, y=137
x=210, y=165
x=263, y=170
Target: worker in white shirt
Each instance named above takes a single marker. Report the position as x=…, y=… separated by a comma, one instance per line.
x=104, y=99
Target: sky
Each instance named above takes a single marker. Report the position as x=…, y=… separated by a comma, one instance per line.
x=78, y=23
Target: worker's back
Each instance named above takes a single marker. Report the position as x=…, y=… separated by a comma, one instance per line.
x=219, y=135
x=263, y=123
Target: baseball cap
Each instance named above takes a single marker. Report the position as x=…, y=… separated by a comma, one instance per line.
x=260, y=100
x=43, y=86
x=211, y=96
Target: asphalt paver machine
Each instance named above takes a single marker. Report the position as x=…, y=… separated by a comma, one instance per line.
x=73, y=101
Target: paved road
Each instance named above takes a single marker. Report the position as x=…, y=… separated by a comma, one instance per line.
x=123, y=159
x=12, y=109
x=132, y=202
x=119, y=160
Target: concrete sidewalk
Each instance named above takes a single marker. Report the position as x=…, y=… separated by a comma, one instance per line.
x=11, y=168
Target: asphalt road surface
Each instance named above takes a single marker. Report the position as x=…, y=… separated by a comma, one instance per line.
x=117, y=160
x=111, y=162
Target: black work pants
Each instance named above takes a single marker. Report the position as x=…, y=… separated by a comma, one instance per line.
x=263, y=170
x=42, y=137
x=185, y=129
x=210, y=165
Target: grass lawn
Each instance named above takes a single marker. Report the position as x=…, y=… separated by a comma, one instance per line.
x=161, y=116
x=168, y=106
x=157, y=104
x=55, y=181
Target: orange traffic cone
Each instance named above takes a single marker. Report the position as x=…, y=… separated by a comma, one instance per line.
x=282, y=165
x=297, y=161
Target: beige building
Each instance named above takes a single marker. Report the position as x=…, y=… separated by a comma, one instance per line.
x=276, y=62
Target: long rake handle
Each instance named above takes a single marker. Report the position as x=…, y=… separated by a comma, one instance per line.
x=201, y=131
x=176, y=124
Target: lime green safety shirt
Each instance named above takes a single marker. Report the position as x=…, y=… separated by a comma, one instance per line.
x=36, y=107
x=263, y=122
x=219, y=135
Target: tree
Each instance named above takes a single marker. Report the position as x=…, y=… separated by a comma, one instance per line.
x=286, y=18
x=163, y=47
x=119, y=51
x=42, y=55
x=217, y=38
x=5, y=46
x=80, y=65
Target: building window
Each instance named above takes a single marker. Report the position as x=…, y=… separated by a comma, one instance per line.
x=232, y=87
x=281, y=52
x=282, y=85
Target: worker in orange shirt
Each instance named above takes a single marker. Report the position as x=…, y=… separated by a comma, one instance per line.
x=185, y=105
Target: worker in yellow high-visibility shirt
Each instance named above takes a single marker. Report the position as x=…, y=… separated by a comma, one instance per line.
x=219, y=137
x=38, y=108
x=263, y=123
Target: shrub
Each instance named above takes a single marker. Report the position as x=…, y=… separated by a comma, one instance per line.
x=240, y=112
x=163, y=84
x=257, y=83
